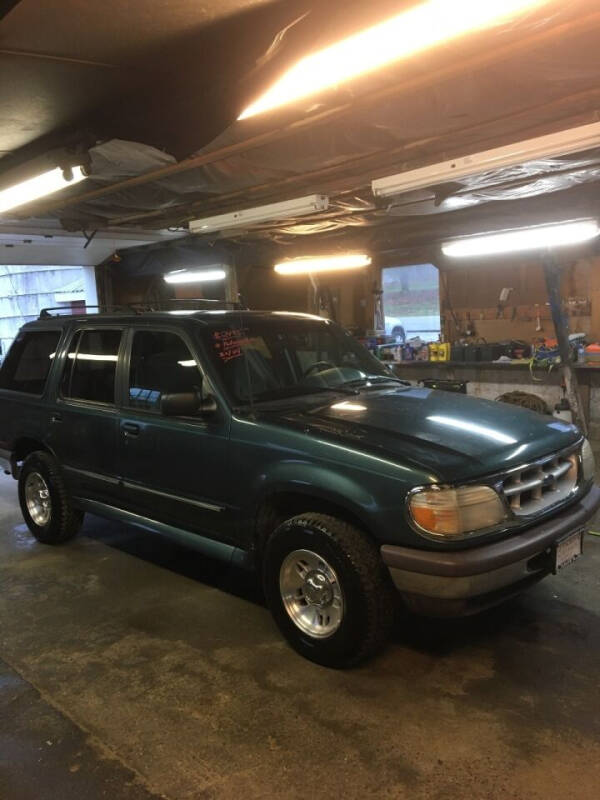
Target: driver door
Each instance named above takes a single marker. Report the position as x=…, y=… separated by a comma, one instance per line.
x=174, y=469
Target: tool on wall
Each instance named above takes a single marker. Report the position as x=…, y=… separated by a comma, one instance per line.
x=469, y=326
x=378, y=314
x=502, y=300
x=323, y=301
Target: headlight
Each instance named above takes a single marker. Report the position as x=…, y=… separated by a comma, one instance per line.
x=456, y=513
x=588, y=462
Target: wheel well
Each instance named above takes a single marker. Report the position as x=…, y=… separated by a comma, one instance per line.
x=283, y=505
x=23, y=447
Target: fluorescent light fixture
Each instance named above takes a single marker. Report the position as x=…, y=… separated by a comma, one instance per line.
x=273, y=212
x=302, y=266
x=194, y=276
x=537, y=238
x=40, y=186
x=572, y=140
x=424, y=26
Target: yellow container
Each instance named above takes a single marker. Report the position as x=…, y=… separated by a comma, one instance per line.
x=443, y=351
x=434, y=351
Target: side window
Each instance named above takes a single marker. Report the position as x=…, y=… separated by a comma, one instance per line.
x=161, y=363
x=28, y=362
x=91, y=366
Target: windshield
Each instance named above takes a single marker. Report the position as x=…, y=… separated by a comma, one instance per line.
x=271, y=359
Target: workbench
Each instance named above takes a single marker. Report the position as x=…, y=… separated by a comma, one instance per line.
x=491, y=379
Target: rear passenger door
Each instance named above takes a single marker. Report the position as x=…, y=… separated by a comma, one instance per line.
x=83, y=428
x=174, y=468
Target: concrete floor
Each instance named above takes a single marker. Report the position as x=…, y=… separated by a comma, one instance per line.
x=133, y=669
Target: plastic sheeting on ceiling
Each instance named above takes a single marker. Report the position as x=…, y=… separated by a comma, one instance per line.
x=442, y=112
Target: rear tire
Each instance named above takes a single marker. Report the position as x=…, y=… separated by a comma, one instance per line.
x=45, y=503
x=328, y=590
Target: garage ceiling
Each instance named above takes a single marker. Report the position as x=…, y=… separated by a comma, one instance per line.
x=154, y=91
x=65, y=63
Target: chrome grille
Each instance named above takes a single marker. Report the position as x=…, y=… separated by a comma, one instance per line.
x=535, y=488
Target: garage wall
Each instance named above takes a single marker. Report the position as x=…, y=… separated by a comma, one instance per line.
x=475, y=290
x=262, y=288
x=472, y=290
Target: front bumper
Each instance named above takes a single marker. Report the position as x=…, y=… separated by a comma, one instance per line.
x=466, y=581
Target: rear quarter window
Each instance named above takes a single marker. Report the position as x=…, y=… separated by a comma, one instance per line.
x=26, y=367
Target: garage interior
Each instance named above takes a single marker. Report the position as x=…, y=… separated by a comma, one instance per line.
x=129, y=669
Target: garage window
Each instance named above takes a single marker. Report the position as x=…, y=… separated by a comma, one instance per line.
x=161, y=363
x=91, y=366
x=28, y=362
x=411, y=299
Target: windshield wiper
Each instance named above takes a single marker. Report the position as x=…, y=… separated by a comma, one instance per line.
x=278, y=401
x=342, y=389
x=376, y=379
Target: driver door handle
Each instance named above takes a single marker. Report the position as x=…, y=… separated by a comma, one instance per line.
x=130, y=429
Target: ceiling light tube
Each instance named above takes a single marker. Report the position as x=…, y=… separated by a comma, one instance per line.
x=299, y=207
x=537, y=238
x=573, y=140
x=303, y=266
x=420, y=28
x=194, y=276
x=42, y=185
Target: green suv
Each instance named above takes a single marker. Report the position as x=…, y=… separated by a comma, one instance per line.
x=275, y=441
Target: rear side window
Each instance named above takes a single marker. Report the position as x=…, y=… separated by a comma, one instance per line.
x=161, y=363
x=28, y=362
x=91, y=366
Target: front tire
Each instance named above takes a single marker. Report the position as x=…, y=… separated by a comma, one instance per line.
x=45, y=503
x=328, y=590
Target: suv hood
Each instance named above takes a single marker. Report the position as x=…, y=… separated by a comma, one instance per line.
x=455, y=436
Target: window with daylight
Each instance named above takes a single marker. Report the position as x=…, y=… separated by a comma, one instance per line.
x=411, y=301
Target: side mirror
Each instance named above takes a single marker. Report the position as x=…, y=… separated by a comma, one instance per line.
x=208, y=404
x=186, y=404
x=181, y=404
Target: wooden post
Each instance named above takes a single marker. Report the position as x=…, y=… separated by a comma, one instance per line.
x=552, y=273
x=232, y=294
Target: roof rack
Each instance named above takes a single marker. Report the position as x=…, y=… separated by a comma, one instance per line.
x=187, y=304
x=140, y=307
x=68, y=311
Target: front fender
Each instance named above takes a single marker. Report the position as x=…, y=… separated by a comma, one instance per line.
x=317, y=481
x=270, y=458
